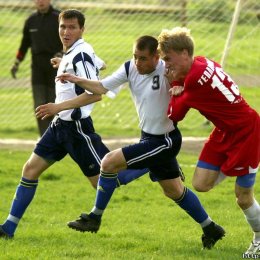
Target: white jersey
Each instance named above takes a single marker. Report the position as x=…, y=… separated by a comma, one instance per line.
x=78, y=60
x=150, y=94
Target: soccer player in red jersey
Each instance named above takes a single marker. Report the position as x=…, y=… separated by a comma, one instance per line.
x=233, y=147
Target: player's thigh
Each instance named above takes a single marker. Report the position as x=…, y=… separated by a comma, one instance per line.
x=50, y=146
x=165, y=170
x=208, y=166
x=204, y=179
x=87, y=150
x=114, y=161
x=149, y=152
x=34, y=167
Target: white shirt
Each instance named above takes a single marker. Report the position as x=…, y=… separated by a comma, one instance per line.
x=78, y=60
x=150, y=94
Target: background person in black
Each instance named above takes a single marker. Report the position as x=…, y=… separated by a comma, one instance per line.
x=40, y=33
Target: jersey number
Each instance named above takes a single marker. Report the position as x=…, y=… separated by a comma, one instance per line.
x=156, y=82
x=217, y=82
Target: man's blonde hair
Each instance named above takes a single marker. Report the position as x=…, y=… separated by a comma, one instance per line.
x=177, y=39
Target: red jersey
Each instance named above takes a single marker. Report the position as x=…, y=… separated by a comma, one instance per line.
x=236, y=138
x=214, y=94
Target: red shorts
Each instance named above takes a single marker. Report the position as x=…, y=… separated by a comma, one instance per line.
x=236, y=153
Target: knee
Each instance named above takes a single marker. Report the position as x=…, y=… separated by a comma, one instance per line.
x=29, y=171
x=107, y=164
x=201, y=187
x=244, y=200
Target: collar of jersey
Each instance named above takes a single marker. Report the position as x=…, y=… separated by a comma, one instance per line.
x=78, y=42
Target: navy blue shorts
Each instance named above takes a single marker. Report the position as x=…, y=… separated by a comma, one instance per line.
x=76, y=138
x=156, y=152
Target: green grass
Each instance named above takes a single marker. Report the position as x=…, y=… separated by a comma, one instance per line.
x=140, y=223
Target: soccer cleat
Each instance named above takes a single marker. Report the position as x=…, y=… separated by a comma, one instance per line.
x=4, y=235
x=253, y=249
x=212, y=233
x=85, y=223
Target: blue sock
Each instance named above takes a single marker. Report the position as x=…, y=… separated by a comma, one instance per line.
x=191, y=204
x=106, y=185
x=23, y=196
x=126, y=176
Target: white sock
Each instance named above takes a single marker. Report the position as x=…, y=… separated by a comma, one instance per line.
x=256, y=238
x=252, y=215
x=206, y=222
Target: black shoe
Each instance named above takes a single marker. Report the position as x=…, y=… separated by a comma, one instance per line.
x=85, y=223
x=212, y=233
x=4, y=235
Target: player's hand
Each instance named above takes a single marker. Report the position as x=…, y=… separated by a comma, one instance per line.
x=55, y=62
x=65, y=77
x=176, y=90
x=46, y=110
x=14, y=69
x=170, y=75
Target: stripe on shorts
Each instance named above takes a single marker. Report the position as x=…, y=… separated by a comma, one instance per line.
x=88, y=140
x=153, y=152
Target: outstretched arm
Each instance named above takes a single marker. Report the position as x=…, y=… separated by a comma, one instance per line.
x=51, y=109
x=93, y=86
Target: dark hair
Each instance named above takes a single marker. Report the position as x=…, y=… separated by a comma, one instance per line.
x=147, y=42
x=73, y=13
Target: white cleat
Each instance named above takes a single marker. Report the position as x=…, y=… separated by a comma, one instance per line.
x=254, y=249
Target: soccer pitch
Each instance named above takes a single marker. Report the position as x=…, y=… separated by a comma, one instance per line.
x=139, y=223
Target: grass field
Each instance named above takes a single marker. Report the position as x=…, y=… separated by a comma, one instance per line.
x=140, y=223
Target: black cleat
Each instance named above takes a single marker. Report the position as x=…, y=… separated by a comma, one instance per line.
x=4, y=235
x=85, y=224
x=212, y=233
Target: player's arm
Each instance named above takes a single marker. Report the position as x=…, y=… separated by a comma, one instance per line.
x=177, y=108
x=24, y=46
x=51, y=109
x=93, y=86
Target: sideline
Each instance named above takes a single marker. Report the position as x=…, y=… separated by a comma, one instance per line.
x=188, y=143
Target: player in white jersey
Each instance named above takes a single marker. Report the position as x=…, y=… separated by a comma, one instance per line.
x=72, y=131
x=159, y=144
x=149, y=101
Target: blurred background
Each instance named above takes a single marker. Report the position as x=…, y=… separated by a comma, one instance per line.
x=226, y=31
